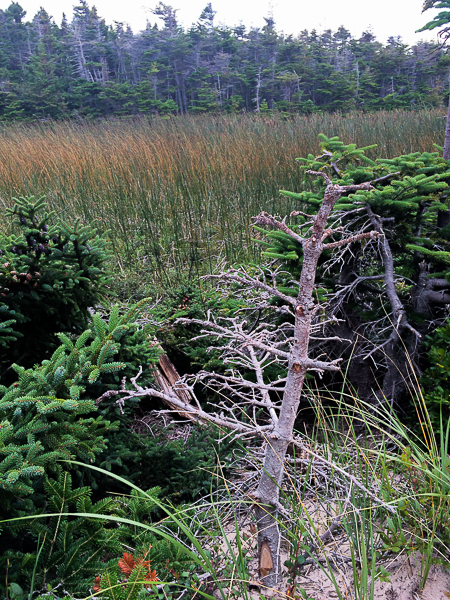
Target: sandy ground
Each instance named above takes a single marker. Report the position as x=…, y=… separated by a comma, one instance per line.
x=404, y=572
x=404, y=583
x=404, y=580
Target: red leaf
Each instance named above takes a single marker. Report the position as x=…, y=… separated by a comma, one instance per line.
x=151, y=576
x=96, y=587
x=127, y=564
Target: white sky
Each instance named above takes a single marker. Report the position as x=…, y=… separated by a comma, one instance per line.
x=384, y=17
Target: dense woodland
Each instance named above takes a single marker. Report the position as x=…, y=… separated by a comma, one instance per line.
x=85, y=67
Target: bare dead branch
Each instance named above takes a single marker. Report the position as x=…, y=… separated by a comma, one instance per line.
x=106, y=395
x=384, y=177
x=369, y=235
x=241, y=277
x=300, y=213
x=330, y=231
x=320, y=174
x=265, y=219
x=234, y=334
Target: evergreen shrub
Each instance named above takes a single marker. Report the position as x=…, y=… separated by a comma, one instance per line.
x=50, y=413
x=50, y=274
x=70, y=551
x=409, y=194
x=184, y=470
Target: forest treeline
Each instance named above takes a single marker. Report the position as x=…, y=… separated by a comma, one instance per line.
x=84, y=67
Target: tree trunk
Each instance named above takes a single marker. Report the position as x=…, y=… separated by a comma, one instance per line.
x=401, y=347
x=447, y=134
x=268, y=491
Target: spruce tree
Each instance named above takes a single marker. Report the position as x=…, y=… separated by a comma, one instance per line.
x=50, y=274
x=50, y=412
x=441, y=21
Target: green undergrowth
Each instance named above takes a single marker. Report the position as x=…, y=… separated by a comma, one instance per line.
x=382, y=494
x=96, y=498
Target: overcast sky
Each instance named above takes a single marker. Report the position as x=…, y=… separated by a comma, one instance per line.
x=383, y=17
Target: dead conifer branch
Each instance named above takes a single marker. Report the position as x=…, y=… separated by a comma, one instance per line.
x=369, y=235
x=244, y=279
x=320, y=174
x=265, y=219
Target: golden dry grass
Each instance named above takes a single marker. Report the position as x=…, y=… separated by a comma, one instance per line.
x=183, y=190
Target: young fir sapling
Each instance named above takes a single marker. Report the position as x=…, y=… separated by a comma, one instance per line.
x=50, y=274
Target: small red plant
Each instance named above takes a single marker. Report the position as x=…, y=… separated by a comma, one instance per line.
x=127, y=564
x=96, y=587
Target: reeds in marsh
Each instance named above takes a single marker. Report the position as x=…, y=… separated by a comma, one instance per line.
x=177, y=192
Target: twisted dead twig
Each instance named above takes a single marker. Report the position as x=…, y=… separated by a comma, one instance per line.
x=369, y=235
x=265, y=219
x=238, y=334
x=241, y=277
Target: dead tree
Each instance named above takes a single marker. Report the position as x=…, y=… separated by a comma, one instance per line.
x=299, y=362
x=255, y=348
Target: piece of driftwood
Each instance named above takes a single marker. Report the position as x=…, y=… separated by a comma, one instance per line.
x=166, y=378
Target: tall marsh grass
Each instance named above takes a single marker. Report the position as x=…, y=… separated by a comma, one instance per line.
x=179, y=193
